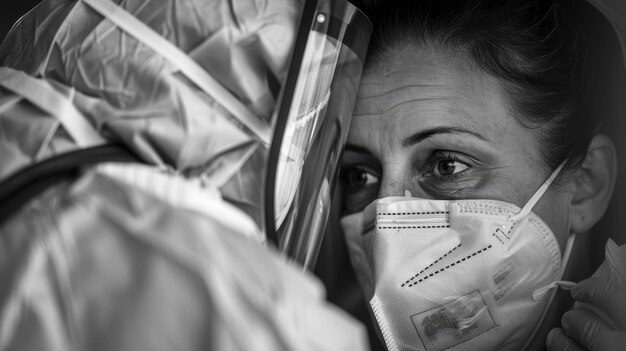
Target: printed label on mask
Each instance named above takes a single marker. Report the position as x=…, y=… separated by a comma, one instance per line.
x=457, y=321
x=504, y=279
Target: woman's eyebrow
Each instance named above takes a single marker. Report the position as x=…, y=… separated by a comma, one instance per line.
x=425, y=134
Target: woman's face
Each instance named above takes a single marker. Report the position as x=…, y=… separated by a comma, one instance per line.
x=430, y=123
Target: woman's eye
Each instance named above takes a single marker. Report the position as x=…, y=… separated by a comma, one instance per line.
x=448, y=168
x=361, y=187
x=449, y=175
x=446, y=165
x=357, y=178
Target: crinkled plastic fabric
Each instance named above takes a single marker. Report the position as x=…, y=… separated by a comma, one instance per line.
x=29, y=134
x=130, y=258
x=133, y=95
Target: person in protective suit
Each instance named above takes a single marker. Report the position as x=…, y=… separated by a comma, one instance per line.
x=165, y=171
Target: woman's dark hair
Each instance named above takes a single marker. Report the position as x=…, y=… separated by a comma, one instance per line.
x=538, y=49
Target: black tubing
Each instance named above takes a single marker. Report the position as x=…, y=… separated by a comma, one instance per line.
x=25, y=184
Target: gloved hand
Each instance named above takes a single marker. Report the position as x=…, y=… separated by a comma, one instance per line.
x=598, y=319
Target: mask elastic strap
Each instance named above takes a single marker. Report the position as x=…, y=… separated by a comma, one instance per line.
x=564, y=284
x=539, y=293
x=538, y=194
x=567, y=252
x=187, y=66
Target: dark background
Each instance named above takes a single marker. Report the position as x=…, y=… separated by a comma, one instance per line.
x=10, y=14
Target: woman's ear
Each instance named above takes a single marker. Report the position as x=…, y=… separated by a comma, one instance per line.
x=593, y=184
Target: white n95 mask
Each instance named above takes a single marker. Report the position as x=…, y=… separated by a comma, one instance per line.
x=451, y=275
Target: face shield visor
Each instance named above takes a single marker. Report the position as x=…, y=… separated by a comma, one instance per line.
x=311, y=125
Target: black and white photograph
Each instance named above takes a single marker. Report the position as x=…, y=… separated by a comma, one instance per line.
x=313, y=175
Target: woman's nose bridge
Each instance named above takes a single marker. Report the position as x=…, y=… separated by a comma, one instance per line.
x=395, y=181
x=388, y=187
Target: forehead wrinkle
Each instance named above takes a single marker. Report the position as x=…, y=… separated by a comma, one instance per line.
x=444, y=105
x=384, y=101
x=383, y=93
x=427, y=99
x=397, y=107
x=386, y=109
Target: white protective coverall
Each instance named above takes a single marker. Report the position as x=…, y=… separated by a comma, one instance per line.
x=148, y=257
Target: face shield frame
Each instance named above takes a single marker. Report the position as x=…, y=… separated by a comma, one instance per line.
x=296, y=221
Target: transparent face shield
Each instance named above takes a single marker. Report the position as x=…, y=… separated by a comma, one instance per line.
x=312, y=121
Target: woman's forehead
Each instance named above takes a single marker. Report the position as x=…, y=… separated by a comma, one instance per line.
x=430, y=88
